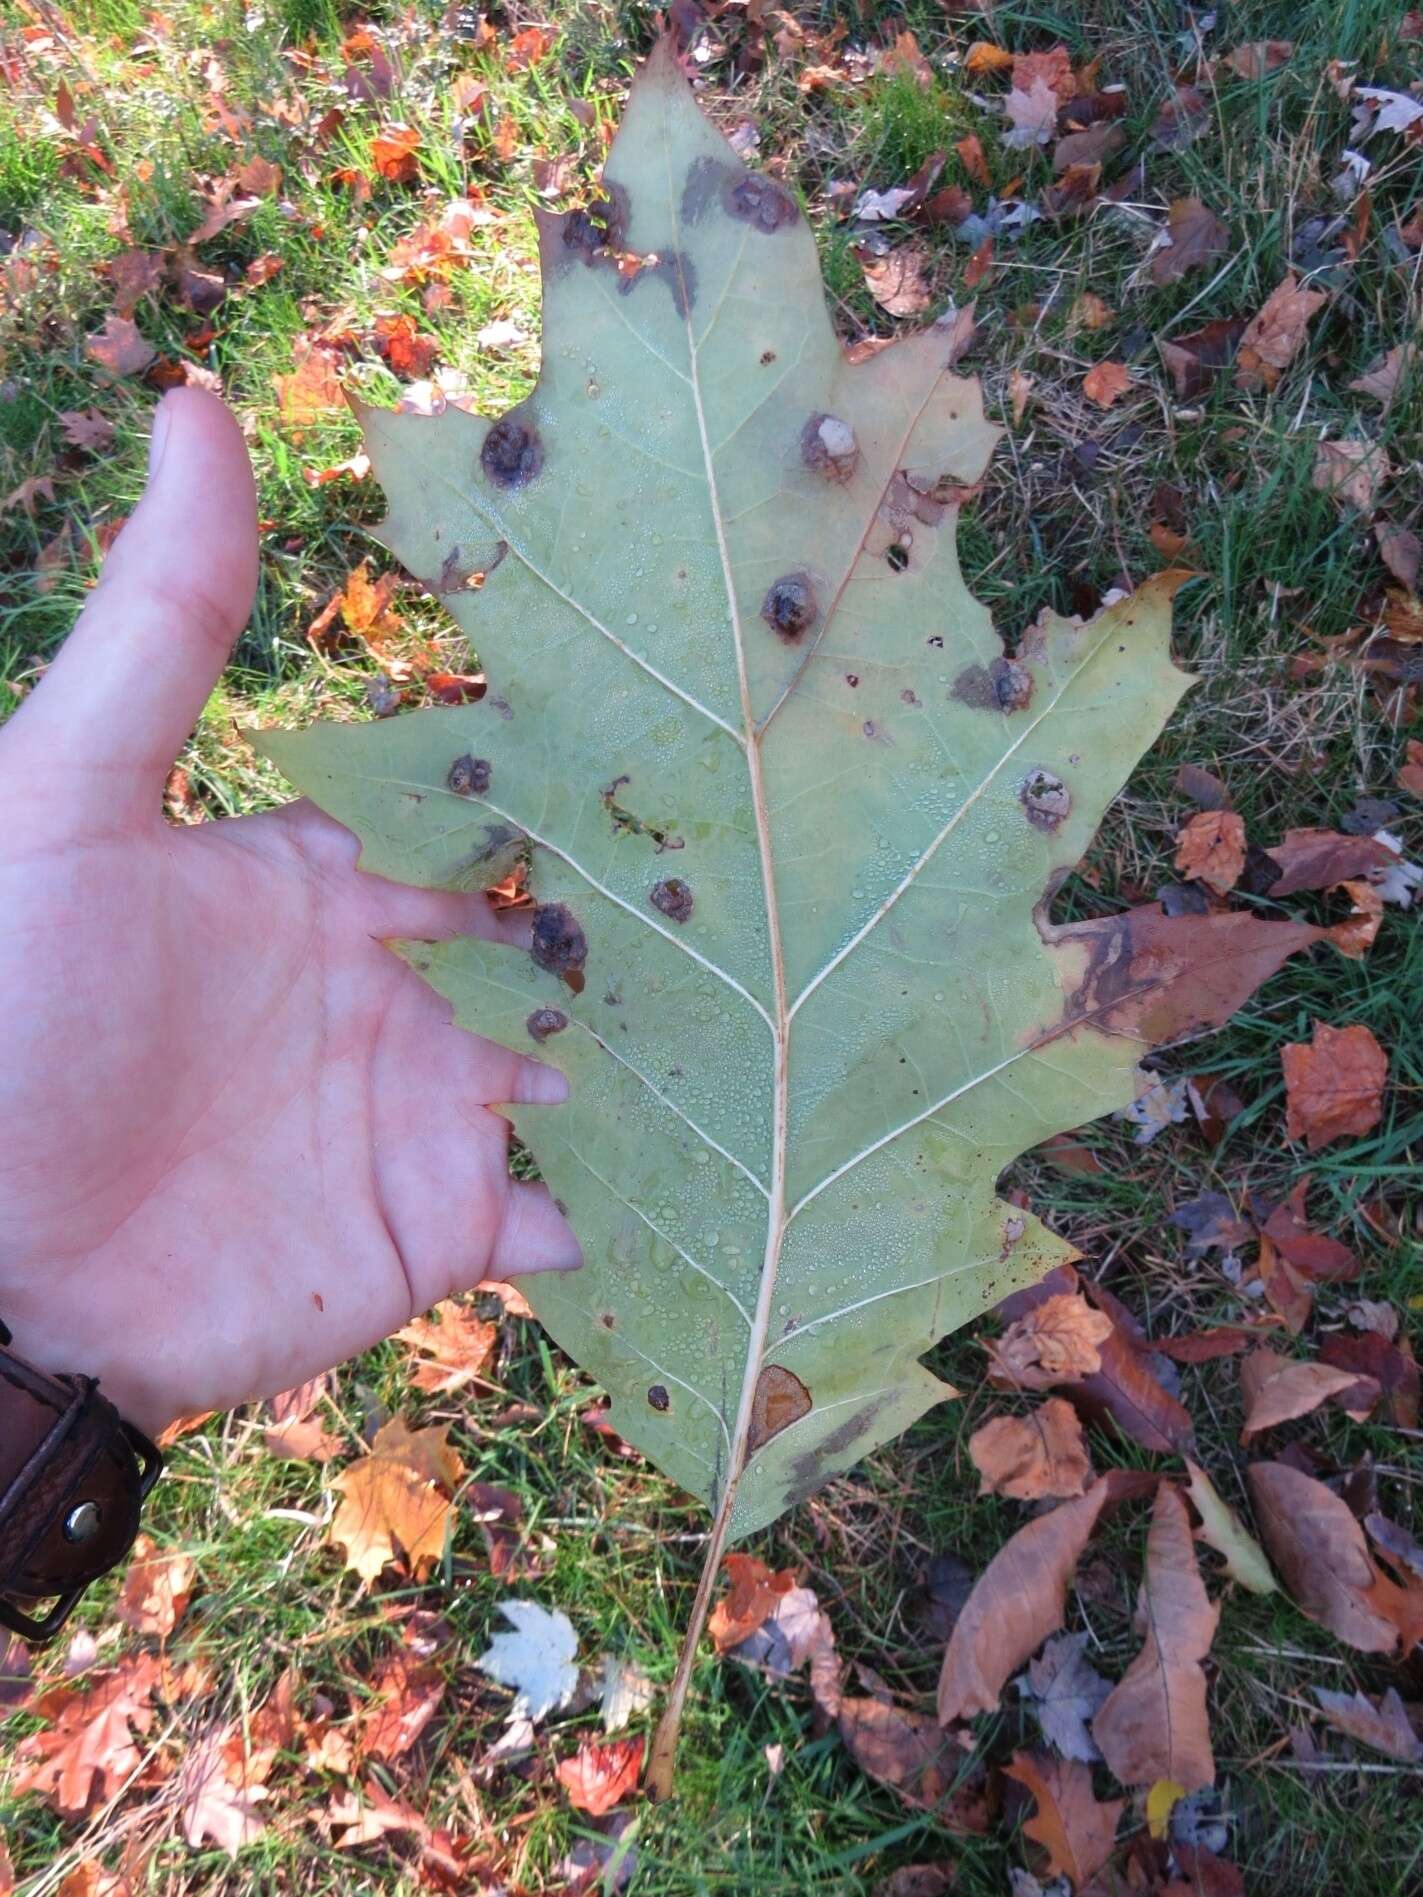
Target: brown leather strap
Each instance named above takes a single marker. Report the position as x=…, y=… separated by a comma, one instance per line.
x=71, y=1482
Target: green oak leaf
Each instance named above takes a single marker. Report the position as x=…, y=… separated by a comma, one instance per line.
x=793, y=818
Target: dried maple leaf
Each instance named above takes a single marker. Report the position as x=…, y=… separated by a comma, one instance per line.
x=1257, y=58
x=1381, y=378
x=1104, y=382
x=1065, y=1691
x=89, y=1748
x=404, y=347
x=1056, y=1341
x=215, y=1800
x=1077, y=1832
x=86, y=428
x=1029, y=1457
x=1211, y=849
x=1278, y=1389
x=751, y=1596
x=1018, y=1600
x=406, y=1693
x=1333, y=1084
x=1153, y=1725
x=601, y=1774
x=1194, y=237
x=296, y=1432
x=118, y=348
x=455, y=1346
x=395, y=153
x=1401, y=551
x=1032, y=112
x=1053, y=68
x=157, y=1587
x=537, y=1659
x=391, y=1507
x=1272, y=337
x=900, y=281
x=1319, y=1549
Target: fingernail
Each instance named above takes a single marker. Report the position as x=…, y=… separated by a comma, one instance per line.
x=159, y=438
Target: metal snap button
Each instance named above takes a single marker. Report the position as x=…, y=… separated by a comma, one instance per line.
x=83, y=1522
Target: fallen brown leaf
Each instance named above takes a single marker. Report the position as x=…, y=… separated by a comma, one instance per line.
x=1153, y=1725
x=971, y=156
x=1053, y=68
x=1029, y=1457
x=1352, y=471
x=118, y=348
x=1104, y=382
x=928, y=1768
x=600, y=1775
x=750, y=1598
x=454, y=1346
x=1401, y=551
x=1382, y=1723
x=1257, y=58
x=1320, y=1550
x=1318, y=859
x=899, y=282
x=395, y=153
x=1018, y=1600
x=1381, y=378
x=1077, y=1832
x=1333, y=1084
x=311, y=390
x=1278, y=1389
x=1210, y=849
x=86, y=428
x=157, y=1588
x=1196, y=360
x=392, y=1501
x=1195, y=237
x=1390, y=1364
x=1056, y=1341
x=89, y=1747
x=1273, y=336
x=406, y=1692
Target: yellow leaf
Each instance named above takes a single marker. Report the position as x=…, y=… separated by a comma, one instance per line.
x=1160, y=1803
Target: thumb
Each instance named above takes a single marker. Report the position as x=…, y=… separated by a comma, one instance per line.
x=129, y=683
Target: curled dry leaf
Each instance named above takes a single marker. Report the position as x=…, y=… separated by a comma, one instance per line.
x=601, y=1774
x=927, y=1767
x=1056, y=1341
x=1028, y=1457
x=1318, y=859
x=1211, y=849
x=454, y=1346
x=1277, y=1389
x=1153, y=1725
x=1105, y=381
x=1222, y=1529
x=901, y=281
x=1381, y=378
x=1197, y=359
x=1333, y=1084
x=1077, y=1832
x=1274, y=335
x=1352, y=471
x=1018, y=1600
x=1320, y=1550
x=751, y=1596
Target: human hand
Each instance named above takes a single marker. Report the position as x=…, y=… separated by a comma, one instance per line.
x=239, y=1140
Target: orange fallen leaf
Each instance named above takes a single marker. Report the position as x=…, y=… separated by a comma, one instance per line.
x=1352, y=471
x=157, y=1587
x=406, y=1693
x=984, y=57
x=1104, y=382
x=405, y=348
x=599, y=1776
x=395, y=153
x=394, y=1504
x=1018, y=1600
x=1153, y=1724
x=1077, y=1832
x=927, y=1768
x=1257, y=58
x=1275, y=333
x=527, y=48
x=1211, y=849
x=1029, y=1457
x=1410, y=773
x=455, y=1345
x=1333, y=1084
x=970, y=151
x=1055, y=1342
x=751, y=1596
x=311, y=390
x=1053, y=68
x=90, y=1746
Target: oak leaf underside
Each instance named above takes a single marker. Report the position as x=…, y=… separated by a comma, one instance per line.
x=792, y=815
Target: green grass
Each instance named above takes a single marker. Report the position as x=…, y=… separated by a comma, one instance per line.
x=1065, y=514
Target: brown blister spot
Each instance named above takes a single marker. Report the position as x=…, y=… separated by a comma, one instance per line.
x=512, y=454
x=758, y=201
x=470, y=776
x=657, y=1396
x=1045, y=798
x=673, y=897
x=558, y=943
x=828, y=447
x=780, y=1400
x=607, y=1320
x=545, y=1021
x=789, y=605
x=1006, y=685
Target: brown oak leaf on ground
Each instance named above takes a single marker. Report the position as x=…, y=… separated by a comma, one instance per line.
x=1153, y=1725
x=1333, y=1084
x=157, y=1587
x=1057, y=1341
x=118, y=349
x=1195, y=237
x=1018, y=1600
x=1382, y=1724
x=599, y=1774
x=1273, y=336
x=90, y=1747
x=1320, y=859
x=1352, y=471
x=1211, y=849
x=928, y=1768
x=1029, y=1457
x=901, y=281
x=1077, y=1832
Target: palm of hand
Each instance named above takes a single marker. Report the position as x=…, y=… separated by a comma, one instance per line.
x=238, y=1140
